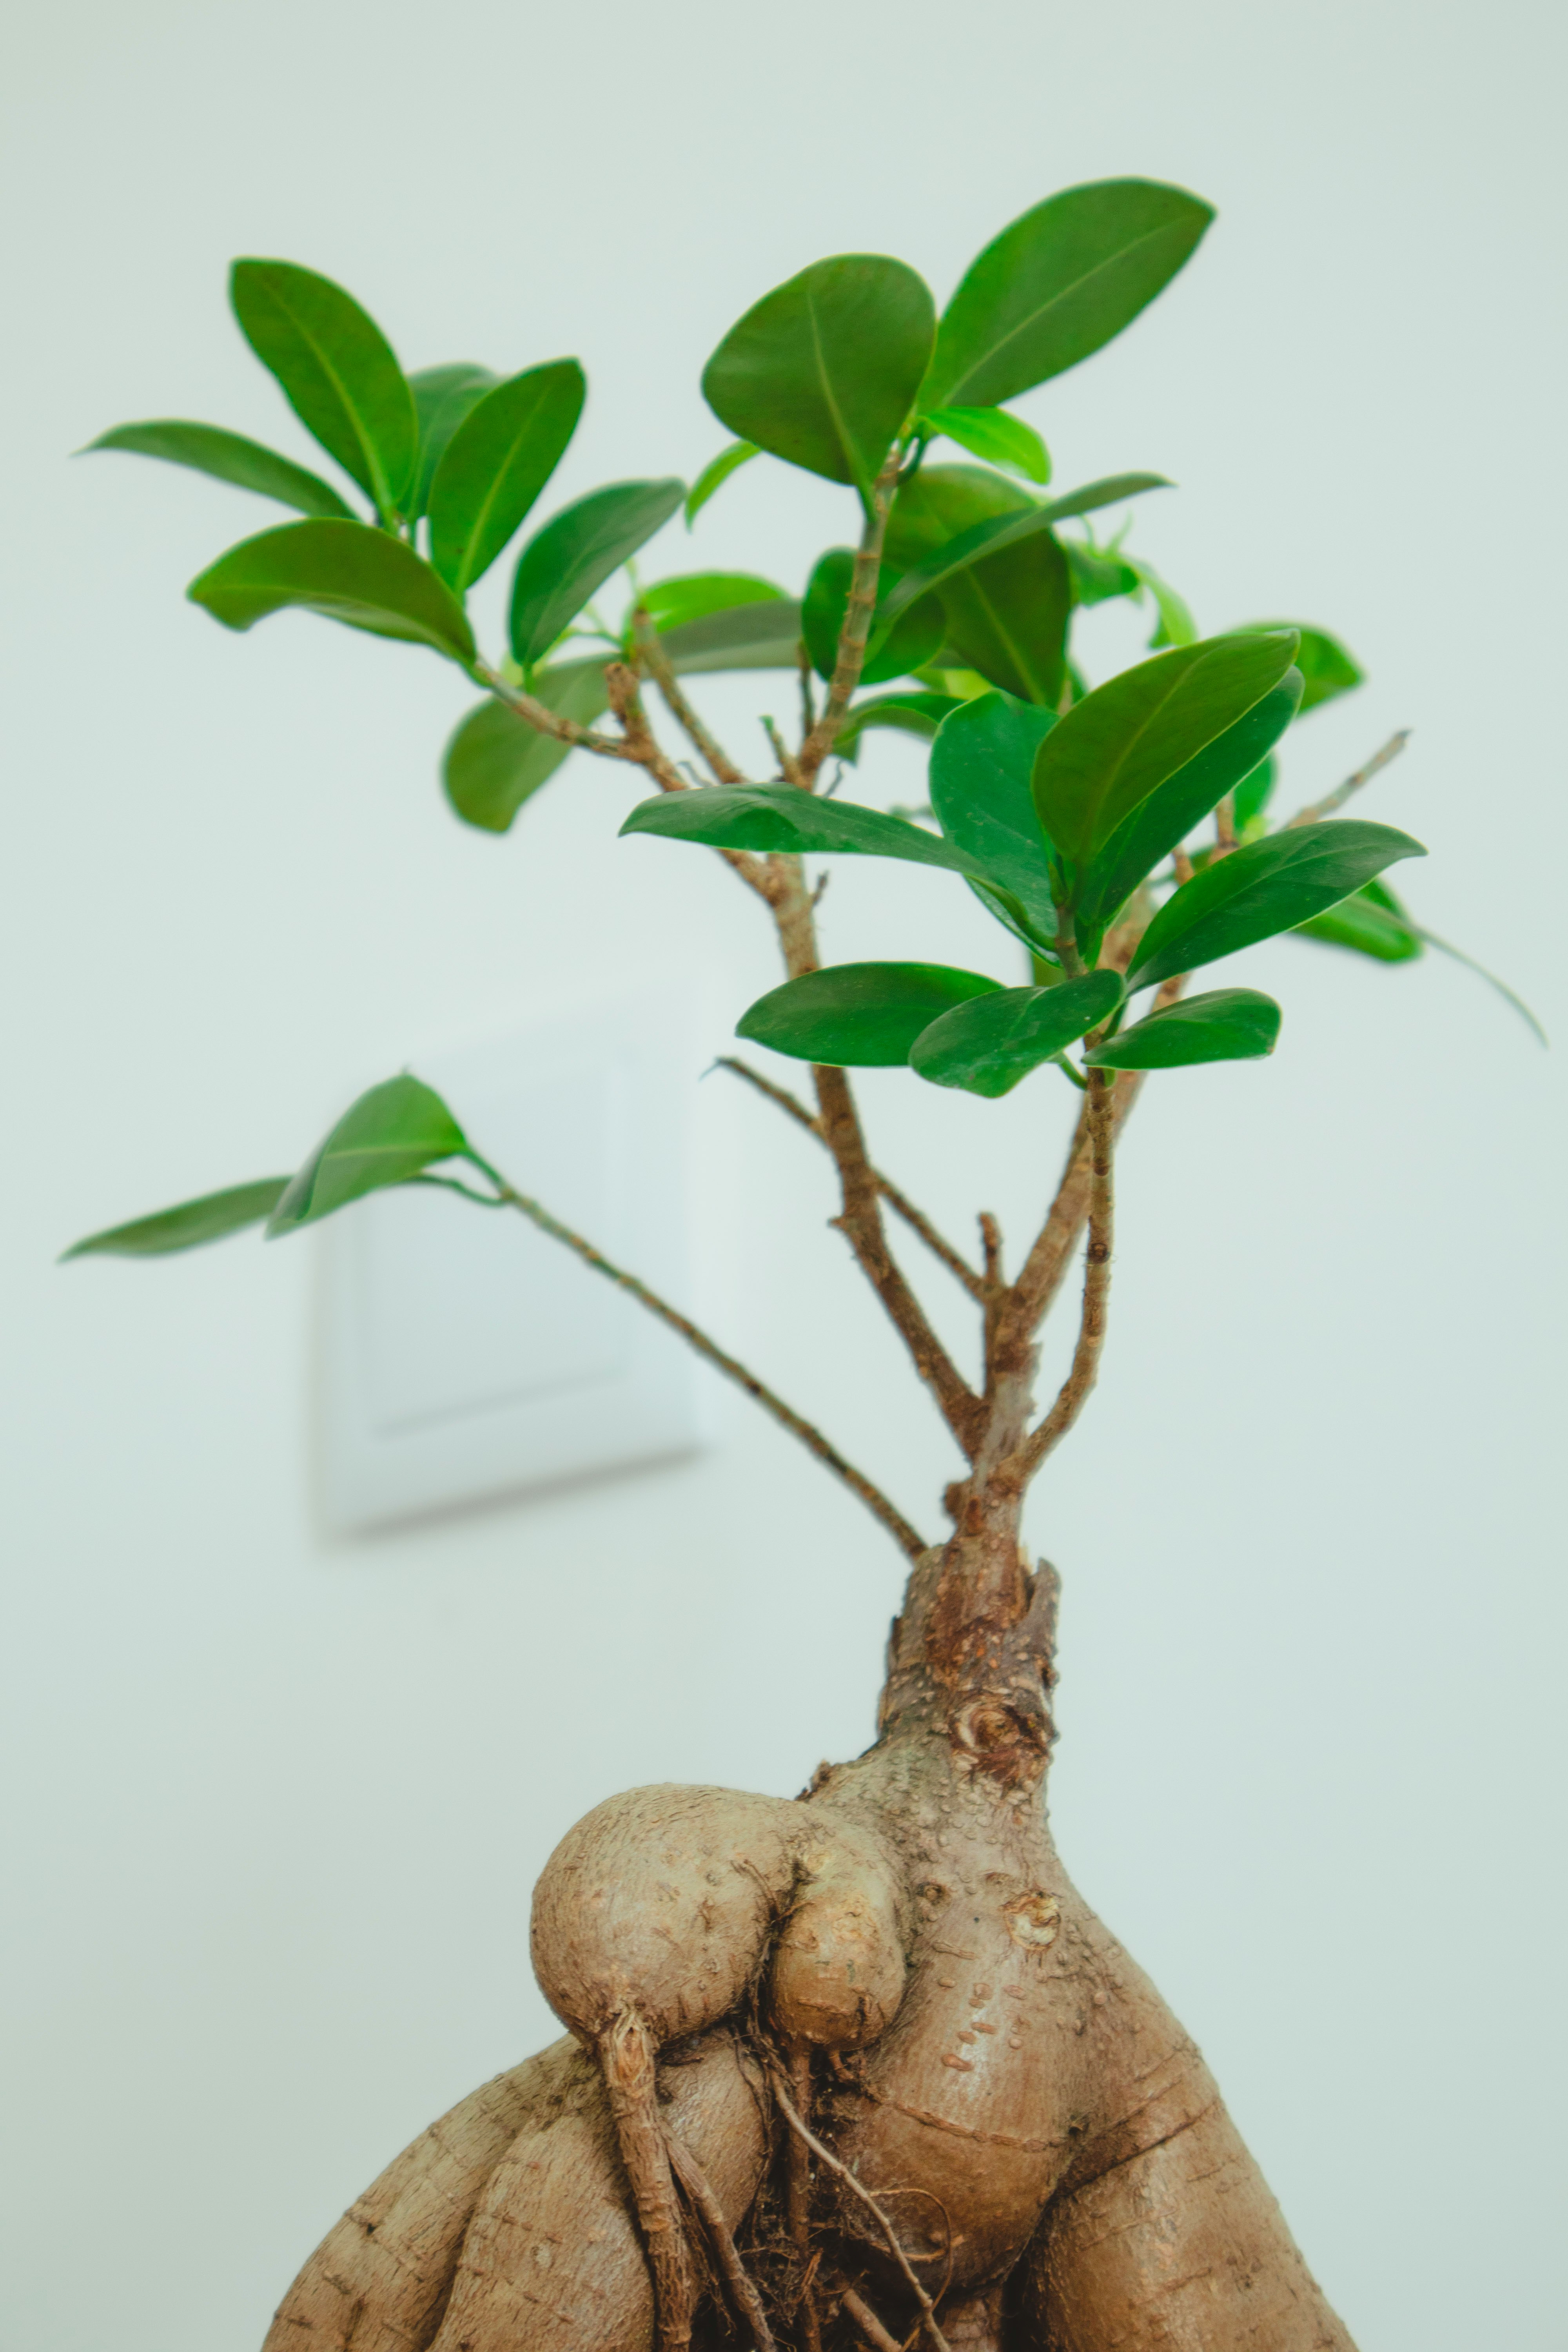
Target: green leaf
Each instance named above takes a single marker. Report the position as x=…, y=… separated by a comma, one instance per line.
x=208, y=1219
x=495, y=761
x=228, y=457
x=443, y=396
x=993, y=435
x=1007, y=610
x=1326, y=665
x=1060, y=283
x=1020, y=521
x=344, y=570
x=822, y=372
x=1097, y=576
x=715, y=474
x=574, y=554
x=910, y=712
x=337, y=370
x=781, y=818
x=1253, y=795
x=1372, y=922
x=389, y=1136
x=1115, y=746
x=1175, y=624
x=496, y=463
x=750, y=637
x=671, y=603
x=1170, y=812
x=980, y=769
x=914, y=640
x=858, y=1015
x=1227, y=1024
x=1266, y=888
x=987, y=1046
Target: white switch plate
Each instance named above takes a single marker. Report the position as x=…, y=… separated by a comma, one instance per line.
x=466, y=1354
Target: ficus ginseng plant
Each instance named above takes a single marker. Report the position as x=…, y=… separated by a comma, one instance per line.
x=858, y=2068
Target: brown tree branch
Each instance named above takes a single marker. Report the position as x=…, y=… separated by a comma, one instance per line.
x=811, y=1438
x=1341, y=793
x=856, y=629
x=1100, y=1121
x=656, y=661
x=898, y=1202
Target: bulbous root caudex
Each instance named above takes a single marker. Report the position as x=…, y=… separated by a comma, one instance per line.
x=858, y=2069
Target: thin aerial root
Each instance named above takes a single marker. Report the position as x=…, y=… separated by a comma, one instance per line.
x=626, y=2057
x=797, y=2199
x=738, y=2281
x=858, y=2189
x=867, y=2321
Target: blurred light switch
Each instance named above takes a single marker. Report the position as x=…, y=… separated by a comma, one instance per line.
x=466, y=1354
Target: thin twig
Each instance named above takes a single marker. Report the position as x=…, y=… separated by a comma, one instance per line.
x=1337, y=799
x=797, y=2201
x=867, y=2321
x=876, y=1502
x=1073, y=1394
x=858, y=2189
x=789, y=766
x=741, y=2286
x=858, y=615
x=898, y=1200
x=657, y=662
x=807, y=707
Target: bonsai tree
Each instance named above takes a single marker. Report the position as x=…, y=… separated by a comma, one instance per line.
x=861, y=2067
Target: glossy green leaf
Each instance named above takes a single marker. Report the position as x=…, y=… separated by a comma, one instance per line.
x=672, y=603
x=1372, y=922
x=858, y=1015
x=496, y=463
x=337, y=370
x=1058, y=284
x=1328, y=668
x=443, y=396
x=987, y=1046
x=1019, y=521
x=1227, y=1024
x=1007, y=609
x=346, y=571
x=980, y=764
x=495, y=761
x=1267, y=887
x=822, y=372
x=915, y=639
x=914, y=711
x=714, y=476
x=229, y=457
x=992, y=434
x=574, y=554
x=1175, y=625
x=1169, y=812
x=209, y=1219
x=1115, y=746
x=389, y=1137
x=1253, y=795
x=1099, y=575
x=763, y=635
x=781, y=818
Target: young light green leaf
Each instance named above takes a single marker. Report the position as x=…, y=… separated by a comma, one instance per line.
x=769, y=818
x=915, y=639
x=981, y=765
x=443, y=396
x=1175, y=625
x=1060, y=283
x=914, y=711
x=209, y=1219
x=1170, y=812
x=1267, y=887
x=1114, y=747
x=1227, y=1024
x=562, y=565
x=1371, y=922
x=498, y=460
x=823, y=370
x=337, y=370
x=694, y=595
x=858, y=1015
x=229, y=457
x=714, y=476
x=993, y=534
x=1098, y=575
x=763, y=635
x=346, y=571
x=1326, y=665
x=389, y=1136
x=993, y=435
x=495, y=761
x=987, y=1046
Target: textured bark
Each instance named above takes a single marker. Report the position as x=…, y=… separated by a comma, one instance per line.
x=996, y=2082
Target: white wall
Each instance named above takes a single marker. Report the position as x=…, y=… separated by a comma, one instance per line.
x=276, y=1802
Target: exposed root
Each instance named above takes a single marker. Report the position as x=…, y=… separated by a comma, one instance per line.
x=626, y=2057
x=738, y=2282
x=856, y=2308
x=797, y=2199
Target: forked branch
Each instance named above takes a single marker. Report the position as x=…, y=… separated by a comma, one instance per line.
x=1099, y=1118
